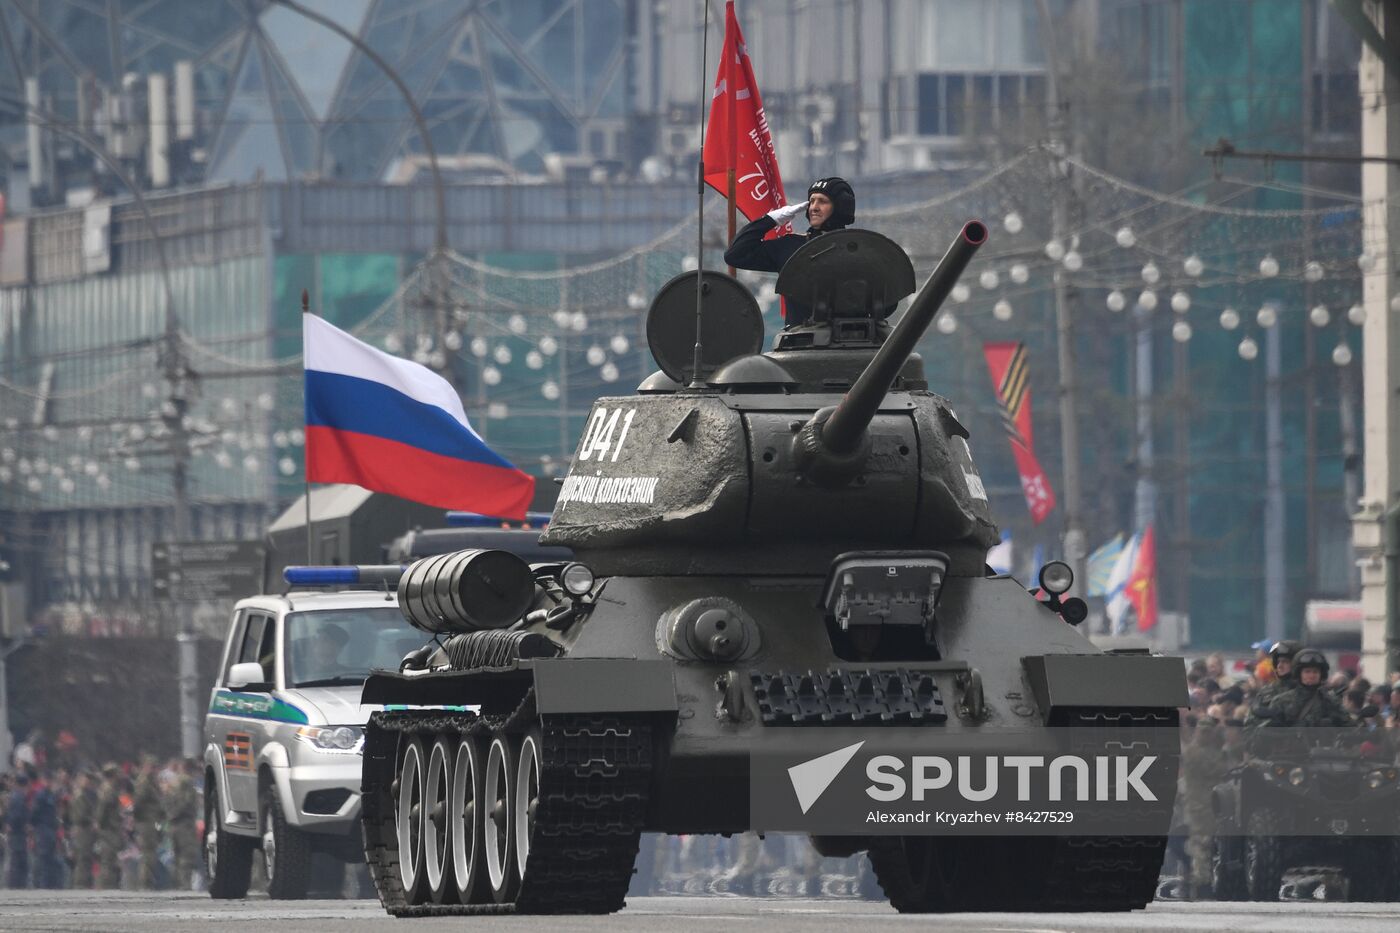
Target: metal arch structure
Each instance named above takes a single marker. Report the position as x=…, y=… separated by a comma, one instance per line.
x=440, y=236
x=500, y=83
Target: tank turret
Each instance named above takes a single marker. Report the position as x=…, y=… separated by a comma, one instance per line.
x=776, y=462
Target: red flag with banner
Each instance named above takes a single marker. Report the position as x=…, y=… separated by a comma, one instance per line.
x=737, y=138
x=1142, y=585
x=1010, y=369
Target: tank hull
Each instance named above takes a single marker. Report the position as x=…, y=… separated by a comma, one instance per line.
x=706, y=721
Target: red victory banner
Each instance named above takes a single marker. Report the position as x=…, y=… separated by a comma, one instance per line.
x=740, y=161
x=1010, y=371
x=1142, y=585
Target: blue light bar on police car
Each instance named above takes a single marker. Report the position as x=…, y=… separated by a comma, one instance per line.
x=344, y=575
x=474, y=520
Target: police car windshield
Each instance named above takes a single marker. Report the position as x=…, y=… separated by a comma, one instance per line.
x=335, y=647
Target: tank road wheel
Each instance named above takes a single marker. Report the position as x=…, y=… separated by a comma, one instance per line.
x=527, y=796
x=464, y=836
x=579, y=804
x=409, y=822
x=437, y=862
x=286, y=851
x=1263, y=855
x=228, y=859
x=497, y=838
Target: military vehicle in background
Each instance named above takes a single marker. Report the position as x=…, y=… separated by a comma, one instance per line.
x=469, y=531
x=352, y=525
x=1310, y=801
x=765, y=543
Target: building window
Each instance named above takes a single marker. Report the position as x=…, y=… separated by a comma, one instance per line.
x=960, y=104
x=1336, y=104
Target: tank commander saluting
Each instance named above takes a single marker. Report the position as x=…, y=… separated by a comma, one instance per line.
x=830, y=205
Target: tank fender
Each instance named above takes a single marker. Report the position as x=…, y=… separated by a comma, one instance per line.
x=604, y=685
x=1069, y=681
x=561, y=685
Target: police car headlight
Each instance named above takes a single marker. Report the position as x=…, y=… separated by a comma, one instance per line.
x=577, y=579
x=1297, y=776
x=1375, y=779
x=331, y=738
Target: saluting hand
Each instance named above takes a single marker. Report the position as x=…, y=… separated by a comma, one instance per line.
x=787, y=212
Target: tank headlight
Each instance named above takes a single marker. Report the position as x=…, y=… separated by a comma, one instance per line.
x=1375, y=779
x=331, y=738
x=1297, y=776
x=577, y=579
x=1056, y=578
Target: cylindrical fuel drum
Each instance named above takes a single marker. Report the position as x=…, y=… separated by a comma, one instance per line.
x=466, y=591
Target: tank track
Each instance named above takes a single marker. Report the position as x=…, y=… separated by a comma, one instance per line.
x=595, y=776
x=1081, y=873
x=1106, y=873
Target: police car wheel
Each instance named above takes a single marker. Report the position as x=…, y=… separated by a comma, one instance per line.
x=286, y=851
x=497, y=837
x=408, y=820
x=228, y=859
x=464, y=818
x=437, y=785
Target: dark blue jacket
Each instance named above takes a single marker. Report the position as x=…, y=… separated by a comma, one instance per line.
x=17, y=816
x=751, y=251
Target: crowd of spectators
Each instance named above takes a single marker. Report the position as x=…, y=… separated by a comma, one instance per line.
x=1215, y=738
x=119, y=825
x=1224, y=695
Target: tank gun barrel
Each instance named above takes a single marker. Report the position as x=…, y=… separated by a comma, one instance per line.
x=843, y=431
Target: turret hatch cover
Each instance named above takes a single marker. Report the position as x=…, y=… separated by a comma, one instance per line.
x=731, y=324
x=848, y=273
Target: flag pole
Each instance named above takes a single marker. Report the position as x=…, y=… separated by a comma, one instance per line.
x=733, y=226
x=695, y=381
x=306, y=443
x=731, y=95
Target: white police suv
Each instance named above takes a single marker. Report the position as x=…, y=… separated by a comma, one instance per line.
x=285, y=729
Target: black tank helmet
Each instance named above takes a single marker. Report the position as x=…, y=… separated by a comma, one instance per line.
x=843, y=201
x=1286, y=649
x=1311, y=657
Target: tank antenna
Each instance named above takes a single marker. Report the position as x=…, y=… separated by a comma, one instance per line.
x=695, y=381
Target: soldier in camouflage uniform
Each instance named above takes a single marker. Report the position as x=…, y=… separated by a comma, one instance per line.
x=1309, y=703
x=181, y=811
x=82, y=808
x=146, y=813
x=1203, y=765
x=107, y=823
x=1281, y=656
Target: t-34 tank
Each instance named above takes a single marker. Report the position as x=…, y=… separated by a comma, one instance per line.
x=771, y=549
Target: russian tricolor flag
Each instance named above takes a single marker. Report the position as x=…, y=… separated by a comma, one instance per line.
x=393, y=426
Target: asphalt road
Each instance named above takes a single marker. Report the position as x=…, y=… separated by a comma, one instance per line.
x=118, y=912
